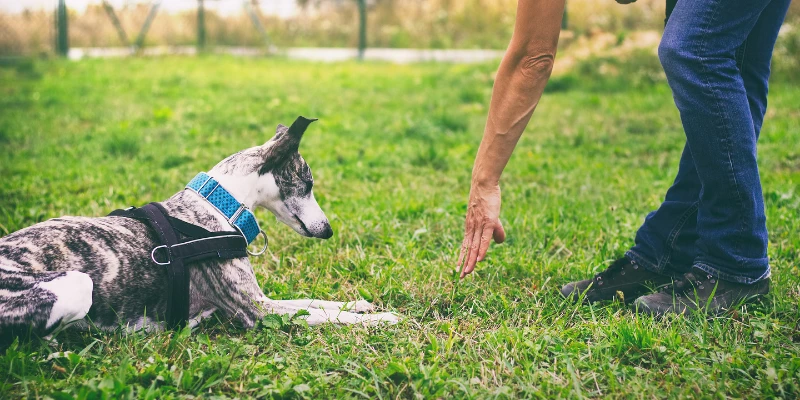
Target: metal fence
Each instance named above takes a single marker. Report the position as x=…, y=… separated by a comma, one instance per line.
x=141, y=26
x=121, y=27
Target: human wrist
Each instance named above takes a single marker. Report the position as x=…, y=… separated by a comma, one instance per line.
x=484, y=182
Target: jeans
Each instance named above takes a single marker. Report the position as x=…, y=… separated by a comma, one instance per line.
x=716, y=55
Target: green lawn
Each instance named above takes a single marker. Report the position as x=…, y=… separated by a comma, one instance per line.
x=391, y=157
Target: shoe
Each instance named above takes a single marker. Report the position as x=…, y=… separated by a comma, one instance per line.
x=624, y=276
x=698, y=290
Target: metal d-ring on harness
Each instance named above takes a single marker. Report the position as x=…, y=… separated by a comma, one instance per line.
x=183, y=243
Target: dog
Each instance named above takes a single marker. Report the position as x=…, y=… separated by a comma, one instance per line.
x=98, y=272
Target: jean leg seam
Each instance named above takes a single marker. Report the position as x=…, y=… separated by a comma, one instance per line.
x=744, y=52
x=673, y=235
x=740, y=55
x=726, y=125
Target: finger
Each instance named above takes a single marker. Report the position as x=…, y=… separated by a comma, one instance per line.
x=462, y=254
x=499, y=233
x=465, y=248
x=472, y=258
x=486, y=239
x=462, y=263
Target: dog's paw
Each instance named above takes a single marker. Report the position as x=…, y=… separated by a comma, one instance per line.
x=360, y=306
x=380, y=318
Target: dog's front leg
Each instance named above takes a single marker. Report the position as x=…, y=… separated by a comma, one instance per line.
x=358, y=306
x=333, y=314
x=235, y=292
x=318, y=316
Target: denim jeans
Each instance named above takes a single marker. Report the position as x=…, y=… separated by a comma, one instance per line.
x=716, y=55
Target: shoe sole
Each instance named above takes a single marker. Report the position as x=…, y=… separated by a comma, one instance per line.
x=659, y=314
x=576, y=295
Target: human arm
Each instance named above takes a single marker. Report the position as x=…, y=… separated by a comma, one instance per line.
x=518, y=86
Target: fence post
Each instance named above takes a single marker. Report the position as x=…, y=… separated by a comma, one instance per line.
x=201, y=26
x=362, y=28
x=123, y=37
x=62, y=40
x=146, y=26
x=251, y=7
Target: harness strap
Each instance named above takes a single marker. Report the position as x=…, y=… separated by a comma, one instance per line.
x=178, y=284
x=200, y=244
x=227, y=246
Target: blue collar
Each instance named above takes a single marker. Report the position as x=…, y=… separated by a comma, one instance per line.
x=237, y=213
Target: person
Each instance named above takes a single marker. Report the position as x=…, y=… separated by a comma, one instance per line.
x=706, y=244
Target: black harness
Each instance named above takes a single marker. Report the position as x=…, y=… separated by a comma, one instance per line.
x=182, y=243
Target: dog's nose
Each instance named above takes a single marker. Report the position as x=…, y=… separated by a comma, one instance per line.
x=326, y=233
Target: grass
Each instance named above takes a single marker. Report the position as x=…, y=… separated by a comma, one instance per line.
x=391, y=157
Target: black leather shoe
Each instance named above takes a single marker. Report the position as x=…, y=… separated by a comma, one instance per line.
x=698, y=290
x=624, y=275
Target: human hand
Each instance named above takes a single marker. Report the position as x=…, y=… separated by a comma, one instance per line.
x=482, y=224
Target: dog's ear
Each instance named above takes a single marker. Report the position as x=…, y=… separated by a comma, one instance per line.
x=298, y=128
x=279, y=131
x=289, y=142
x=285, y=143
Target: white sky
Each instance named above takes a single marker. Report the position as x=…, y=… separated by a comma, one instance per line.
x=282, y=8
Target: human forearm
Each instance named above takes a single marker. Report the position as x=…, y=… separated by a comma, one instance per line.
x=519, y=84
x=518, y=87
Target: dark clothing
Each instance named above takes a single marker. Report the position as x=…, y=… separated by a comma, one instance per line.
x=670, y=7
x=716, y=54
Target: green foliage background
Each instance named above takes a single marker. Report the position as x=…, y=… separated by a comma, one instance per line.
x=391, y=156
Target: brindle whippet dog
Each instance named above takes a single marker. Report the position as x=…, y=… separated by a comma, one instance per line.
x=98, y=271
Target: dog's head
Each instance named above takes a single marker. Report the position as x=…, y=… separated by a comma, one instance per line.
x=276, y=177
